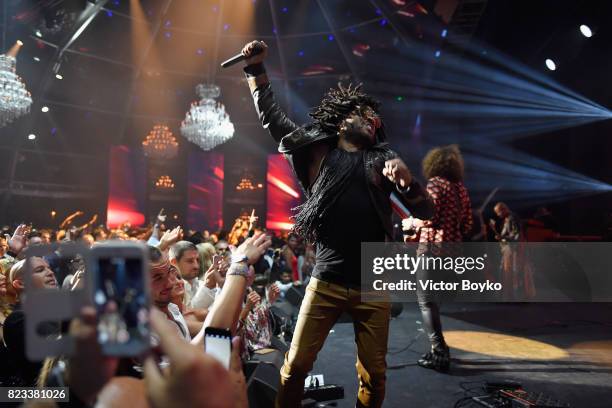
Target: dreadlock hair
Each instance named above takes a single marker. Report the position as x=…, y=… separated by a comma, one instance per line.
x=338, y=103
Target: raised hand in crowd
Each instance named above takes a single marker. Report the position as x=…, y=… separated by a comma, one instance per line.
x=252, y=300
x=253, y=248
x=89, y=223
x=210, y=276
x=170, y=237
x=161, y=217
x=17, y=242
x=273, y=293
x=228, y=304
x=252, y=219
x=194, y=379
x=69, y=219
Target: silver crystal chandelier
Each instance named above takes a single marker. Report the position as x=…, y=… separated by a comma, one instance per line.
x=207, y=124
x=15, y=100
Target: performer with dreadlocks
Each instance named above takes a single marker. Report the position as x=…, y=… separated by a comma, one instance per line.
x=347, y=173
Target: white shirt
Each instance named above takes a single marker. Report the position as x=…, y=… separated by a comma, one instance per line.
x=283, y=287
x=191, y=288
x=179, y=320
x=203, y=298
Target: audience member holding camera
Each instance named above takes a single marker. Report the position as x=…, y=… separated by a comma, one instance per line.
x=194, y=377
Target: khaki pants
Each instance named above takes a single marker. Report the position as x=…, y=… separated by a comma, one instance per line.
x=322, y=306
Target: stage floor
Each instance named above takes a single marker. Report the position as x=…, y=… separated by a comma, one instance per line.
x=564, y=350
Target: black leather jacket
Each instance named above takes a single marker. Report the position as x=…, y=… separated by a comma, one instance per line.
x=301, y=146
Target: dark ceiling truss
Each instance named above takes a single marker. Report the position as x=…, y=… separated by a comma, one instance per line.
x=465, y=21
x=81, y=24
x=281, y=55
x=250, y=35
x=341, y=45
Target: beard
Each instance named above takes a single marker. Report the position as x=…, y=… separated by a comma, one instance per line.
x=358, y=137
x=357, y=133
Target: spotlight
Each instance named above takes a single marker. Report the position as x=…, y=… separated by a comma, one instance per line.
x=438, y=53
x=38, y=33
x=31, y=136
x=36, y=59
x=550, y=64
x=44, y=109
x=59, y=76
x=586, y=31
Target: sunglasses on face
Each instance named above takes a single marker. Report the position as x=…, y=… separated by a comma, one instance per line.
x=367, y=112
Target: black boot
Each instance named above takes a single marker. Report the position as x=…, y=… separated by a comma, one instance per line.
x=437, y=359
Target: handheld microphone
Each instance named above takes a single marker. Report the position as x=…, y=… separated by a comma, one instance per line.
x=240, y=57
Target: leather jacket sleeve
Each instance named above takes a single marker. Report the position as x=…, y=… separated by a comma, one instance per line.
x=271, y=115
x=415, y=198
x=417, y=201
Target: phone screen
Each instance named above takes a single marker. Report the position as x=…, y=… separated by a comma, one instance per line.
x=122, y=304
x=219, y=345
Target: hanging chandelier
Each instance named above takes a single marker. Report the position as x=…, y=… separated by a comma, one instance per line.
x=164, y=183
x=160, y=143
x=207, y=124
x=247, y=183
x=15, y=100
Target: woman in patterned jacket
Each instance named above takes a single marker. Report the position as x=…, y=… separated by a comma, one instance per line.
x=452, y=220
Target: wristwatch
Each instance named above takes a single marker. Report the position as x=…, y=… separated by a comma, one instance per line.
x=238, y=258
x=240, y=269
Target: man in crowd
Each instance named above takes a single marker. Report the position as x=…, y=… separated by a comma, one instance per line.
x=184, y=256
x=163, y=279
x=347, y=173
x=24, y=372
x=195, y=378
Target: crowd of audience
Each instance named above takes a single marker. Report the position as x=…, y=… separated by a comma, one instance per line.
x=195, y=282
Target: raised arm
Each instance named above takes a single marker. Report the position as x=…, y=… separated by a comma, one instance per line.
x=225, y=312
x=271, y=115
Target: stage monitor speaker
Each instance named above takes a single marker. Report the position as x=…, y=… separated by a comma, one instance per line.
x=262, y=384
